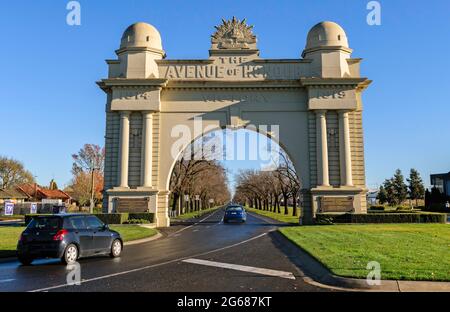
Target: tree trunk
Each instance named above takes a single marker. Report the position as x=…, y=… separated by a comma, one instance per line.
x=294, y=207
x=286, y=209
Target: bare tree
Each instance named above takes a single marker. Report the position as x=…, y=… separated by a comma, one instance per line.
x=89, y=159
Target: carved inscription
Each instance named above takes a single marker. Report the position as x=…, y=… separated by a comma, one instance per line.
x=217, y=97
x=336, y=204
x=235, y=67
x=330, y=94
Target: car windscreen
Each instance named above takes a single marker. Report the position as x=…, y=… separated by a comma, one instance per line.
x=45, y=223
x=235, y=208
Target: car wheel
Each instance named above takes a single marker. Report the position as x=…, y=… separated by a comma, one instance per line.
x=116, y=248
x=25, y=260
x=70, y=254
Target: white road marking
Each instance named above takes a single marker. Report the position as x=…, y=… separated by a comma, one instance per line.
x=153, y=265
x=7, y=280
x=243, y=268
x=196, y=230
x=188, y=227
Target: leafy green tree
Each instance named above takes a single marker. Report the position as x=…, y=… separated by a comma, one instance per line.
x=382, y=195
x=12, y=172
x=53, y=185
x=388, y=186
x=400, y=187
x=416, y=189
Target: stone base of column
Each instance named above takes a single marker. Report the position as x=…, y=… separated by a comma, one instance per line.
x=126, y=194
x=162, y=210
x=344, y=199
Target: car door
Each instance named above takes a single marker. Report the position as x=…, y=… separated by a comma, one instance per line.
x=101, y=235
x=85, y=236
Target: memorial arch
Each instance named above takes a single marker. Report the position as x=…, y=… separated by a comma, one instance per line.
x=315, y=100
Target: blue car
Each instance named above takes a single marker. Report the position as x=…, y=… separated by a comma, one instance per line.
x=235, y=213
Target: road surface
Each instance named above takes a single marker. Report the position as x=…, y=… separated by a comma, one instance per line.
x=204, y=256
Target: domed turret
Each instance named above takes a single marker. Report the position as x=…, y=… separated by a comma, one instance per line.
x=326, y=34
x=327, y=48
x=140, y=49
x=141, y=35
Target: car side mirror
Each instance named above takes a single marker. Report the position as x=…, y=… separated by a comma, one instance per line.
x=105, y=227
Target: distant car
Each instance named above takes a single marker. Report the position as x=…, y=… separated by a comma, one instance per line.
x=68, y=237
x=235, y=213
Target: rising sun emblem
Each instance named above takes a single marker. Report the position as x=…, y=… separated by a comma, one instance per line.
x=233, y=34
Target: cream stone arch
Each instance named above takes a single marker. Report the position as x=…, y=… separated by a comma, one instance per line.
x=315, y=100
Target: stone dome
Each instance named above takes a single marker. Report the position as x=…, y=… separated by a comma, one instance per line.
x=141, y=35
x=326, y=34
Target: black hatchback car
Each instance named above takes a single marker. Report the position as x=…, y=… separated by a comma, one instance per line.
x=68, y=237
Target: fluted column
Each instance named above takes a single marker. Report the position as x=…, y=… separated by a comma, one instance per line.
x=345, y=149
x=147, y=142
x=124, y=146
x=322, y=149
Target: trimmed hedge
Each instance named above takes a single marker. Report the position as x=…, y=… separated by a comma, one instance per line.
x=109, y=218
x=112, y=218
x=144, y=215
x=323, y=218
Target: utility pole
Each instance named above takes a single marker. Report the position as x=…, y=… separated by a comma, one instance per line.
x=91, y=202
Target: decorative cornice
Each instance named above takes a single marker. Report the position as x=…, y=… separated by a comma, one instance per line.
x=328, y=82
x=327, y=48
x=235, y=84
x=173, y=62
x=107, y=84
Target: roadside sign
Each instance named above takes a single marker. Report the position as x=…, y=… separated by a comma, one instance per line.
x=197, y=197
x=9, y=208
x=211, y=200
x=33, y=208
x=186, y=197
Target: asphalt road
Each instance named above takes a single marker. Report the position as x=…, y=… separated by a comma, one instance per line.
x=205, y=256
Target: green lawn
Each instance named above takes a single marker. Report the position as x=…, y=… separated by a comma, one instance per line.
x=195, y=214
x=133, y=232
x=404, y=251
x=278, y=216
x=9, y=236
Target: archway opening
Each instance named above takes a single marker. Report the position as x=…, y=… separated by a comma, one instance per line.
x=235, y=165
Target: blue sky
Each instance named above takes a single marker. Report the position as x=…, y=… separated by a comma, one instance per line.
x=50, y=105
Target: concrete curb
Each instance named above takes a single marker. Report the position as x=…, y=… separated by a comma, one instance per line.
x=143, y=240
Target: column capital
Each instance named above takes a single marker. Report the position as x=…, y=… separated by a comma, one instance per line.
x=124, y=113
x=147, y=113
x=320, y=111
x=343, y=111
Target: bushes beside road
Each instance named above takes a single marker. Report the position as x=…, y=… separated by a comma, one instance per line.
x=392, y=217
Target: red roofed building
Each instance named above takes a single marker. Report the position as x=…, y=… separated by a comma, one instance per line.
x=38, y=193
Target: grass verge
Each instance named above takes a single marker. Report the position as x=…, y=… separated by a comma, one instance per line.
x=278, y=216
x=9, y=236
x=404, y=251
